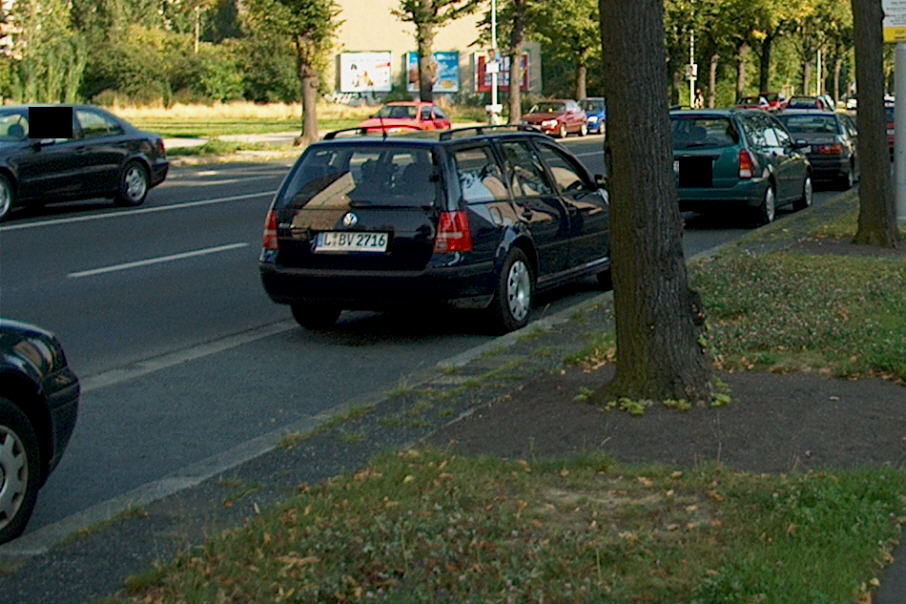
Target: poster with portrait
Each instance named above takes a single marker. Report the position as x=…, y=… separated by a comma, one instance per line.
x=365, y=72
x=483, y=77
x=445, y=68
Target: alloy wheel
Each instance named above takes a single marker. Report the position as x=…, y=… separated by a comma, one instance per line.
x=13, y=475
x=135, y=183
x=519, y=290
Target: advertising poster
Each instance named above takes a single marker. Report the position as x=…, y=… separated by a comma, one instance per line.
x=446, y=68
x=365, y=72
x=894, y=20
x=503, y=76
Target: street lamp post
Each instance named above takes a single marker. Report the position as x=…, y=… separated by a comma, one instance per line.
x=493, y=67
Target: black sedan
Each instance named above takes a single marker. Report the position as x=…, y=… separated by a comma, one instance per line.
x=831, y=139
x=102, y=156
x=39, y=400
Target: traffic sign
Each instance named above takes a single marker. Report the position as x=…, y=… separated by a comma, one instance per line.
x=894, y=20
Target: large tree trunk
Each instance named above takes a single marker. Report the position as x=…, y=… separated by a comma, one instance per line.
x=712, y=80
x=658, y=355
x=838, y=66
x=741, y=51
x=581, y=79
x=427, y=69
x=806, y=76
x=877, y=212
x=308, y=78
x=517, y=42
x=764, y=70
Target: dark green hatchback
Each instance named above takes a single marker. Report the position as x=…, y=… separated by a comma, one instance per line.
x=738, y=160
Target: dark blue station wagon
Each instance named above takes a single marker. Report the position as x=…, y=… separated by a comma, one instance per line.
x=475, y=218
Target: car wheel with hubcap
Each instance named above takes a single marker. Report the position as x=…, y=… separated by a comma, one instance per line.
x=6, y=196
x=583, y=131
x=562, y=133
x=314, y=317
x=133, y=185
x=512, y=301
x=765, y=212
x=806, y=199
x=849, y=179
x=20, y=470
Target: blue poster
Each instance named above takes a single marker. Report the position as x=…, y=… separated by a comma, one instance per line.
x=445, y=67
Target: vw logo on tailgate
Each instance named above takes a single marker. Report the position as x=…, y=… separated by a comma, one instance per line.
x=350, y=220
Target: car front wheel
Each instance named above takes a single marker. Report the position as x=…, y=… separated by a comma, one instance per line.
x=315, y=317
x=20, y=473
x=562, y=133
x=512, y=301
x=6, y=196
x=133, y=185
x=583, y=131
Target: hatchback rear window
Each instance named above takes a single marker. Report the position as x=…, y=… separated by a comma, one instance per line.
x=694, y=132
x=810, y=124
x=361, y=176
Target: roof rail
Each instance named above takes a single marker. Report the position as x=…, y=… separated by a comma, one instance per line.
x=363, y=131
x=448, y=134
x=333, y=134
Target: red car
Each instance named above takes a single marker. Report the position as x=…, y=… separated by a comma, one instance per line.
x=401, y=116
x=557, y=117
x=769, y=101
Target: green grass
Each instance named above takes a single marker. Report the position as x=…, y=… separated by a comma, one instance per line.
x=424, y=527
x=844, y=315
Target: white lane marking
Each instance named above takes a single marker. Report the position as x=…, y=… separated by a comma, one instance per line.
x=166, y=208
x=158, y=260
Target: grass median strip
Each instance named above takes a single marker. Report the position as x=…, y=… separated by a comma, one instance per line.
x=427, y=527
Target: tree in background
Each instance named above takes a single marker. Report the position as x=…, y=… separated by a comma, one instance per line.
x=428, y=16
x=571, y=30
x=877, y=213
x=658, y=353
x=311, y=26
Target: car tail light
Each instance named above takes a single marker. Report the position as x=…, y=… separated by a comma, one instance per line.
x=830, y=149
x=746, y=167
x=453, y=233
x=161, y=147
x=270, y=231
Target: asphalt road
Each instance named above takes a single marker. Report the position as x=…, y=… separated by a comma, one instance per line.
x=181, y=354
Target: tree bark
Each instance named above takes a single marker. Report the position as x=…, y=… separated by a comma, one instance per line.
x=581, y=79
x=712, y=80
x=658, y=354
x=764, y=69
x=806, y=76
x=308, y=78
x=838, y=66
x=517, y=43
x=742, y=50
x=877, y=212
x=427, y=70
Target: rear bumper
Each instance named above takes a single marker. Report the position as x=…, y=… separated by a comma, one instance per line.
x=828, y=168
x=469, y=286
x=745, y=194
x=159, y=171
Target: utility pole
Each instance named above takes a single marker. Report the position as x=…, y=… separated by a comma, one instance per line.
x=493, y=67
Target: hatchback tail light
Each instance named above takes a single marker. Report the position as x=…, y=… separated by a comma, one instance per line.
x=453, y=233
x=835, y=149
x=746, y=167
x=161, y=147
x=270, y=231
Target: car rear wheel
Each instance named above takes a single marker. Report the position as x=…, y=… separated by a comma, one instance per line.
x=315, y=317
x=6, y=196
x=849, y=179
x=20, y=473
x=806, y=199
x=764, y=214
x=133, y=185
x=605, y=280
x=513, y=299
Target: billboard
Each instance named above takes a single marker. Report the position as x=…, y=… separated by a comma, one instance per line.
x=365, y=72
x=446, y=66
x=894, y=20
x=483, y=78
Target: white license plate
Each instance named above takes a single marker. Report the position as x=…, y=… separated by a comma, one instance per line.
x=337, y=241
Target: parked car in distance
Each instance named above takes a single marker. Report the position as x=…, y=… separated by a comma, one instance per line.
x=104, y=157
x=557, y=117
x=769, y=101
x=832, y=143
x=400, y=116
x=742, y=160
x=596, y=113
x=807, y=102
x=39, y=400
x=479, y=218
x=889, y=111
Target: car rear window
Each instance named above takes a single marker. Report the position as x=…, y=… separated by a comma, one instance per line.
x=360, y=176
x=705, y=131
x=811, y=124
x=398, y=112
